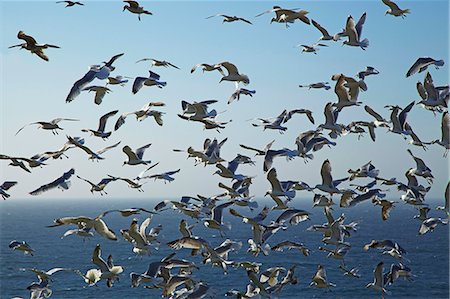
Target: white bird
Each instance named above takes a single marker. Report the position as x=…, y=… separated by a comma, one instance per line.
x=135, y=157
x=151, y=80
x=165, y=176
x=354, y=32
x=399, y=119
x=319, y=280
x=311, y=48
x=92, y=155
x=433, y=98
x=51, y=125
x=395, y=10
x=139, y=236
x=328, y=185
x=331, y=124
x=208, y=68
x=277, y=189
x=21, y=246
x=325, y=34
x=367, y=72
x=378, y=282
x=100, y=92
x=286, y=16
x=95, y=71
x=155, y=62
x=428, y=225
x=109, y=271
x=117, y=80
x=100, y=186
x=229, y=19
x=5, y=187
x=422, y=64
x=317, y=85
x=100, y=132
x=421, y=168
x=32, y=45
x=240, y=91
x=445, y=136
x=142, y=114
x=88, y=223
x=233, y=74
x=133, y=7
x=62, y=183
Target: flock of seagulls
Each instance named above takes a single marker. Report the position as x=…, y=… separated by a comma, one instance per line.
x=175, y=277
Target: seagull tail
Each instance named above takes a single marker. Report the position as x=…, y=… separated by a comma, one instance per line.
x=364, y=43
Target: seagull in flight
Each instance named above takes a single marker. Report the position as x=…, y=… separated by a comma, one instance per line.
x=156, y=62
x=51, y=125
x=135, y=157
x=32, y=45
x=151, y=80
x=142, y=114
x=71, y=3
x=5, y=187
x=395, y=10
x=229, y=19
x=354, y=32
x=208, y=68
x=95, y=71
x=62, y=182
x=422, y=64
x=133, y=7
x=100, y=132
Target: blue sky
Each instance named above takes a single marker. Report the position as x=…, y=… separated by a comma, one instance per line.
x=34, y=90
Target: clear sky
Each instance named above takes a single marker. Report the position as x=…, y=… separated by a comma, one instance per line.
x=34, y=90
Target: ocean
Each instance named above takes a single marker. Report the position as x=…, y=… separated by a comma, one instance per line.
x=427, y=255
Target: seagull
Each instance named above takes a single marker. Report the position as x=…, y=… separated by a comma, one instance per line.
x=233, y=73
x=216, y=220
x=379, y=120
x=319, y=280
x=428, y=225
x=240, y=91
x=51, y=125
x=21, y=246
x=208, y=68
x=197, y=110
x=433, y=98
x=397, y=271
x=229, y=19
x=445, y=128
x=395, y=10
x=95, y=71
x=70, y=3
x=328, y=185
x=166, y=176
x=100, y=186
x=88, y=223
x=317, y=85
x=368, y=170
x=399, y=119
x=287, y=15
x=131, y=183
x=331, y=116
x=139, y=237
x=386, y=206
x=367, y=72
x=421, y=168
x=277, y=189
x=100, y=92
x=117, y=80
x=133, y=7
x=422, y=64
x=151, y=80
x=274, y=124
x=378, y=282
x=423, y=213
x=109, y=271
x=352, y=272
x=5, y=187
x=135, y=157
x=32, y=45
x=100, y=132
x=142, y=114
x=18, y=161
x=156, y=62
x=354, y=33
x=62, y=183
x=311, y=48
x=384, y=244
x=299, y=111
x=325, y=34
x=289, y=245
x=92, y=155
x=347, y=97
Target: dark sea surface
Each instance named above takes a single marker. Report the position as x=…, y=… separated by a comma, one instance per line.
x=428, y=255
